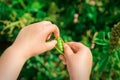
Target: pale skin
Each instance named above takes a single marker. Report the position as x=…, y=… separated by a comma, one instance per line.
x=78, y=59
x=31, y=41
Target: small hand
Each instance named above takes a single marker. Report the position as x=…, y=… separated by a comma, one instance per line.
x=78, y=59
x=32, y=39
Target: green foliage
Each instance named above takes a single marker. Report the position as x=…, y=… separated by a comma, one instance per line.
x=86, y=21
x=115, y=37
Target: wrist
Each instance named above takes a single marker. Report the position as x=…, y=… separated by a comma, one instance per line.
x=11, y=62
x=16, y=52
x=74, y=77
x=79, y=79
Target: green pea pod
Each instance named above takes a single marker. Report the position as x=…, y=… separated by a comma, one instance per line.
x=60, y=44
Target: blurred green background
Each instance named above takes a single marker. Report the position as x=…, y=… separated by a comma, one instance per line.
x=88, y=21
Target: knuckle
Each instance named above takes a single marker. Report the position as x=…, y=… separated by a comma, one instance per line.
x=55, y=26
x=46, y=22
x=79, y=43
x=88, y=51
x=88, y=48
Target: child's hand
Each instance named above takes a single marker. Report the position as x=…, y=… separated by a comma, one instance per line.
x=32, y=39
x=78, y=59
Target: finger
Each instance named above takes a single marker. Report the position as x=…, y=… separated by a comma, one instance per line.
x=49, y=36
x=64, y=62
x=50, y=45
x=61, y=57
x=67, y=50
x=42, y=23
x=53, y=28
x=73, y=46
x=76, y=46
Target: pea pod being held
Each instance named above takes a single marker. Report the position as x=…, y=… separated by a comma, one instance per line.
x=60, y=44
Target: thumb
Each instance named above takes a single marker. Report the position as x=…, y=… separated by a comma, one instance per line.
x=51, y=44
x=67, y=50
